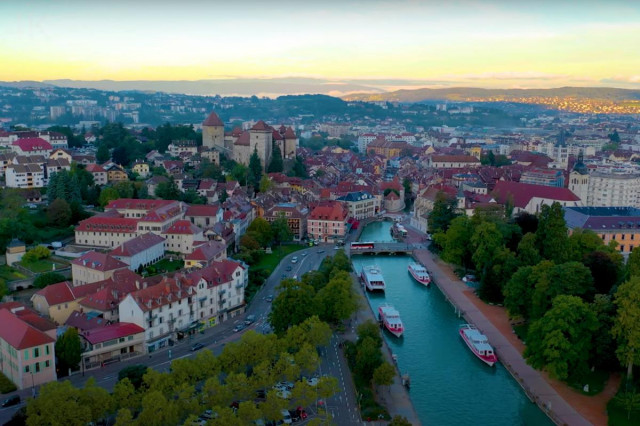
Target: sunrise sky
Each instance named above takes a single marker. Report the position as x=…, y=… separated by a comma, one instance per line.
x=396, y=43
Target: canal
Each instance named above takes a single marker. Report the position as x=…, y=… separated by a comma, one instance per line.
x=449, y=385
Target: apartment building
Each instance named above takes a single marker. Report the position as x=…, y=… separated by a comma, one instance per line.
x=327, y=221
x=93, y=267
x=361, y=204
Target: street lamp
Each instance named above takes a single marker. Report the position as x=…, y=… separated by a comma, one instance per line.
x=33, y=386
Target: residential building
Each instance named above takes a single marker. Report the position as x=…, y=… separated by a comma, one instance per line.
x=204, y=216
x=99, y=174
x=361, y=204
x=94, y=266
x=295, y=215
x=605, y=189
x=453, y=161
x=547, y=177
x=32, y=146
x=531, y=198
x=115, y=172
x=58, y=301
x=183, y=146
x=205, y=253
x=327, y=221
x=111, y=343
x=141, y=169
x=14, y=252
x=26, y=353
x=619, y=224
x=140, y=251
x=181, y=236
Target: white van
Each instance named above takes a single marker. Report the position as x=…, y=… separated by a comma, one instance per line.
x=286, y=417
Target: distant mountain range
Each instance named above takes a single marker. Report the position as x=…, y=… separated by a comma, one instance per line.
x=477, y=94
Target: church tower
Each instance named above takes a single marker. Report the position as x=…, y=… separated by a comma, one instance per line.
x=579, y=179
x=213, y=133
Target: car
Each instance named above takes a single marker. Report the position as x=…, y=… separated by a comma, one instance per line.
x=269, y=298
x=238, y=327
x=197, y=347
x=286, y=417
x=336, y=248
x=313, y=381
x=250, y=319
x=295, y=277
x=320, y=251
x=288, y=268
x=283, y=393
x=294, y=260
x=304, y=254
x=295, y=416
x=12, y=400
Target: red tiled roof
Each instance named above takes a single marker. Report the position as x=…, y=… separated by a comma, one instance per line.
x=108, y=224
x=28, y=315
x=207, y=251
x=289, y=133
x=276, y=135
x=243, y=139
x=99, y=261
x=20, y=334
x=136, y=204
x=522, y=193
x=330, y=210
x=213, y=120
x=169, y=290
x=82, y=321
x=202, y=210
x=218, y=272
x=137, y=245
x=261, y=125
x=111, y=332
x=57, y=293
x=113, y=290
x=454, y=159
x=183, y=227
x=95, y=168
x=33, y=144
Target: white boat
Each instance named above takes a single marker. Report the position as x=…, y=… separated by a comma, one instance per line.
x=372, y=278
x=390, y=318
x=478, y=344
x=419, y=273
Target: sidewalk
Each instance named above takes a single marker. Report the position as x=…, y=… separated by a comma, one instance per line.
x=396, y=397
x=531, y=380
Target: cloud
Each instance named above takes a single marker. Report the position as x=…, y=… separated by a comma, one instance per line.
x=509, y=75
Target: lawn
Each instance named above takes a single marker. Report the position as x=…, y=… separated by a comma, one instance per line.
x=8, y=273
x=42, y=265
x=165, y=265
x=271, y=260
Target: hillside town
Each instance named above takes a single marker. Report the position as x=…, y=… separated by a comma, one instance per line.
x=156, y=242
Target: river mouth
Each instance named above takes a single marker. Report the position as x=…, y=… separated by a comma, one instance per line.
x=449, y=385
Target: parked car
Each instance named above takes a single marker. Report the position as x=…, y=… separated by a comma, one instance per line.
x=288, y=268
x=250, y=319
x=313, y=381
x=197, y=347
x=238, y=327
x=286, y=417
x=12, y=400
x=269, y=298
x=469, y=278
x=320, y=251
x=304, y=253
x=294, y=259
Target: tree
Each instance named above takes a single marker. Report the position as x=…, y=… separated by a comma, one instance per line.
x=4, y=289
x=248, y=413
x=299, y=169
x=629, y=401
x=133, y=373
x=68, y=350
x=292, y=306
x=456, y=242
x=633, y=263
x=157, y=410
x=103, y=155
x=255, y=169
x=249, y=242
x=57, y=404
x=614, y=137
x=36, y=253
x=444, y=211
x=125, y=189
x=604, y=348
x=399, y=421
x=337, y=301
x=527, y=222
x=551, y=235
x=626, y=328
x=528, y=254
x=280, y=229
x=571, y=278
x=48, y=278
x=384, y=374
x=561, y=341
x=59, y=213
x=261, y=230
x=485, y=242
x=370, y=329
x=106, y=195
x=368, y=357
x=96, y=398
x=603, y=270
x=276, y=164
x=266, y=184
x=168, y=190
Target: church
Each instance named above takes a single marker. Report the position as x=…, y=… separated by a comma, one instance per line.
x=240, y=144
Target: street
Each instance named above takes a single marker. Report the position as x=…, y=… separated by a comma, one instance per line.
x=342, y=406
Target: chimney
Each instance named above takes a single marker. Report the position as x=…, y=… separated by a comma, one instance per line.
x=138, y=284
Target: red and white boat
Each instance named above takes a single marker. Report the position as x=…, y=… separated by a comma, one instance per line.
x=372, y=278
x=419, y=273
x=478, y=344
x=390, y=317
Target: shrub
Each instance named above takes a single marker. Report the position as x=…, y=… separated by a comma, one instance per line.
x=6, y=385
x=36, y=253
x=48, y=278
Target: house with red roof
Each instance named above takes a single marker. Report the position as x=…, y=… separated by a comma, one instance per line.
x=182, y=236
x=205, y=253
x=453, y=161
x=93, y=267
x=32, y=146
x=140, y=251
x=27, y=353
x=204, y=216
x=111, y=343
x=98, y=172
x=530, y=198
x=32, y=318
x=327, y=221
x=58, y=301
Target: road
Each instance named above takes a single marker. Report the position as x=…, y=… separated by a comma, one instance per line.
x=216, y=337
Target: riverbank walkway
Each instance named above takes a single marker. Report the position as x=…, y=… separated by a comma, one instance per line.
x=395, y=397
x=531, y=380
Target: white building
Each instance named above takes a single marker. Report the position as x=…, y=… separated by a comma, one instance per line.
x=143, y=250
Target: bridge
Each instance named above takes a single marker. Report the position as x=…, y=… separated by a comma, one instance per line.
x=385, y=248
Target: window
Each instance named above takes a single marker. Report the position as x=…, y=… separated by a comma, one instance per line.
x=37, y=367
x=36, y=352
x=47, y=363
x=26, y=368
x=26, y=354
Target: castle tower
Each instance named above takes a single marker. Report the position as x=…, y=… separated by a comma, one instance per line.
x=579, y=179
x=261, y=136
x=290, y=143
x=213, y=133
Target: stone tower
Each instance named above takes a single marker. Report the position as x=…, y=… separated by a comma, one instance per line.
x=290, y=143
x=261, y=137
x=213, y=133
x=579, y=179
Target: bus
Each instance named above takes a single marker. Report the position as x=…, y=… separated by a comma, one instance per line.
x=361, y=245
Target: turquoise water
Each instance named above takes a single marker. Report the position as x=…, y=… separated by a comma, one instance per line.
x=377, y=231
x=449, y=385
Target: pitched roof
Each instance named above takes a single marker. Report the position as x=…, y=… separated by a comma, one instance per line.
x=32, y=144
x=99, y=261
x=111, y=332
x=243, y=139
x=202, y=210
x=183, y=227
x=29, y=316
x=137, y=245
x=213, y=120
x=58, y=293
x=454, y=159
x=136, y=204
x=330, y=210
x=19, y=333
x=218, y=272
x=108, y=224
x=95, y=168
x=261, y=125
x=522, y=193
x=169, y=290
x=83, y=321
x=207, y=251
x=289, y=133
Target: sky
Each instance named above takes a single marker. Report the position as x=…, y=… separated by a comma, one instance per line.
x=387, y=44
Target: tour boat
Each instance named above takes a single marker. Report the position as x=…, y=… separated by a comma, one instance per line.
x=478, y=344
x=419, y=273
x=390, y=317
x=372, y=278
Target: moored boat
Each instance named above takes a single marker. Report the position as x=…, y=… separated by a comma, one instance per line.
x=419, y=273
x=390, y=318
x=372, y=278
x=478, y=344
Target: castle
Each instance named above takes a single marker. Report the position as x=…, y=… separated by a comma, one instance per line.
x=239, y=145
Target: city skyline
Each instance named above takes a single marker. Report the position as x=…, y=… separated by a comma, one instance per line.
x=383, y=44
